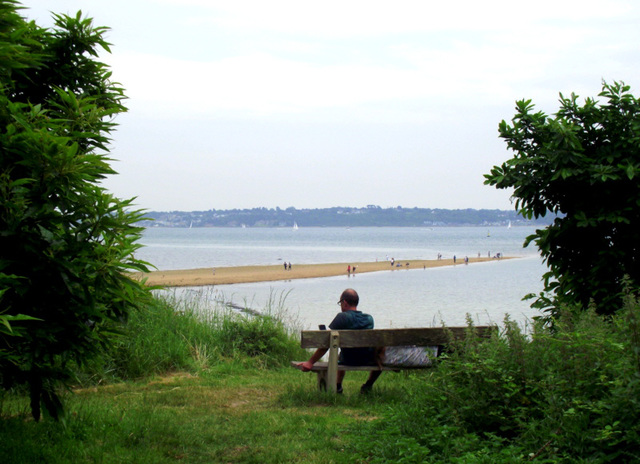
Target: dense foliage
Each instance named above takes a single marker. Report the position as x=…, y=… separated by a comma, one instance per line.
x=567, y=394
x=562, y=395
x=65, y=243
x=582, y=164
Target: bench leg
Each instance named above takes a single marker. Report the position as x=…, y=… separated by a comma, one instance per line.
x=332, y=366
x=322, y=380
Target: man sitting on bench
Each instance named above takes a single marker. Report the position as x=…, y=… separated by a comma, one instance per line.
x=349, y=319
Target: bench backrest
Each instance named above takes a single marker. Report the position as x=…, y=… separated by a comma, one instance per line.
x=391, y=337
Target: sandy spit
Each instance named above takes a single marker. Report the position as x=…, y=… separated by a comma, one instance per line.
x=245, y=274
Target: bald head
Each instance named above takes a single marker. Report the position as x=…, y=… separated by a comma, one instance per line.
x=350, y=297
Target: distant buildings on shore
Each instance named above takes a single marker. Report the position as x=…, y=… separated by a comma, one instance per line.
x=369, y=216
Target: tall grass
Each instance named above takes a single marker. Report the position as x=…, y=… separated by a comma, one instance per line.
x=567, y=394
x=196, y=332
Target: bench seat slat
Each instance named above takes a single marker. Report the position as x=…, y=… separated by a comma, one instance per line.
x=390, y=337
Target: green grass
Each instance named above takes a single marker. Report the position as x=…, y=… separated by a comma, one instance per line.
x=180, y=387
x=190, y=334
x=232, y=413
x=189, y=384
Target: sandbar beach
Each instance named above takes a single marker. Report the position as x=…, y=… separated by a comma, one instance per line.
x=246, y=274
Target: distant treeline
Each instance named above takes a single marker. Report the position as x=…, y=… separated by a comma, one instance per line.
x=369, y=216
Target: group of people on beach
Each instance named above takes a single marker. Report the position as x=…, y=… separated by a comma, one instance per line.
x=466, y=258
x=287, y=266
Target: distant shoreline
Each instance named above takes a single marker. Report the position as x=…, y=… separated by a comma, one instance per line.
x=369, y=216
x=270, y=273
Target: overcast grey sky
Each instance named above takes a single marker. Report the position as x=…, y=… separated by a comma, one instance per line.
x=242, y=104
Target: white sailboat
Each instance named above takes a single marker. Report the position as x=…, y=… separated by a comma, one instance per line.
x=295, y=225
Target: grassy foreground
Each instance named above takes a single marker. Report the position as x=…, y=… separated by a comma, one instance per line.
x=229, y=413
x=186, y=386
x=197, y=386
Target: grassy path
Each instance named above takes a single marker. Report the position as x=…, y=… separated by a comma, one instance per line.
x=226, y=414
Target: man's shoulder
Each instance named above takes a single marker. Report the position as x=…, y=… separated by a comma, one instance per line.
x=365, y=321
x=339, y=322
x=352, y=320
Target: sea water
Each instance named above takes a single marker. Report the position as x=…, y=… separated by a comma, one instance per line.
x=486, y=292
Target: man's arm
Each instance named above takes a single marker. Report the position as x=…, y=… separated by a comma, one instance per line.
x=336, y=324
x=307, y=365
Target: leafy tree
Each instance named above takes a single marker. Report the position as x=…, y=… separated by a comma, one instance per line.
x=582, y=164
x=65, y=242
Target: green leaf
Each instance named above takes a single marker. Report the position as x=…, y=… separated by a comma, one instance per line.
x=631, y=171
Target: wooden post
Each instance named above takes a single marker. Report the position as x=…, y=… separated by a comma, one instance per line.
x=332, y=368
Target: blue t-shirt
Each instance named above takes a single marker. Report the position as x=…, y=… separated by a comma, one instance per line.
x=354, y=320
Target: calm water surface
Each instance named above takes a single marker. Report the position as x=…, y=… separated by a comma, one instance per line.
x=401, y=298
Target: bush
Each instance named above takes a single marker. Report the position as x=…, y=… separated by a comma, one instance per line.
x=264, y=337
x=567, y=394
x=66, y=244
x=581, y=165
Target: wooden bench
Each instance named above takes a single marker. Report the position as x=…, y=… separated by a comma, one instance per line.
x=335, y=339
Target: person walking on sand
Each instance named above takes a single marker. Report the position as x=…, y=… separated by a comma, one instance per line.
x=349, y=318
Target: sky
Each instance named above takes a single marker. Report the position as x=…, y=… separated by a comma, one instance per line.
x=247, y=103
